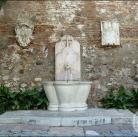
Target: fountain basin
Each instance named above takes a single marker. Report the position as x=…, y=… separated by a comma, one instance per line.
x=67, y=95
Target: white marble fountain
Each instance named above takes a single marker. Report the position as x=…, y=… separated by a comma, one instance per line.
x=67, y=93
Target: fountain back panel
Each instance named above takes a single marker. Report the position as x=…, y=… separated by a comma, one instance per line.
x=67, y=53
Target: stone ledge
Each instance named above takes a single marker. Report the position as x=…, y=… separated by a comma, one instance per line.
x=92, y=116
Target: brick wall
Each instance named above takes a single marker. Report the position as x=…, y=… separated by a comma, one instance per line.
x=104, y=66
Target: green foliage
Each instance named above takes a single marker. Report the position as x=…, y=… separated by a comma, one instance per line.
x=2, y=2
x=134, y=98
x=23, y=100
x=122, y=99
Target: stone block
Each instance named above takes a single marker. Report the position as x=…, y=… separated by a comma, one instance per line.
x=77, y=118
x=66, y=131
x=85, y=121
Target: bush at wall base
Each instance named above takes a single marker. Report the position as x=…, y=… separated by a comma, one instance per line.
x=121, y=99
x=29, y=99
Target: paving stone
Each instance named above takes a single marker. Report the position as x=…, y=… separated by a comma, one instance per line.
x=134, y=133
x=100, y=128
x=40, y=133
x=91, y=133
x=6, y=127
x=31, y=127
x=3, y=133
x=117, y=133
x=66, y=131
x=109, y=129
x=126, y=132
x=125, y=127
x=39, y=130
x=105, y=133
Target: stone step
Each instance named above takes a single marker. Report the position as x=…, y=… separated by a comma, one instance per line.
x=89, y=117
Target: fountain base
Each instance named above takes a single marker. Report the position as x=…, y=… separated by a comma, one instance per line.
x=89, y=117
x=67, y=95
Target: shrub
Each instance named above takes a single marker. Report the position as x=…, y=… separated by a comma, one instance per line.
x=134, y=98
x=23, y=100
x=122, y=99
x=2, y=2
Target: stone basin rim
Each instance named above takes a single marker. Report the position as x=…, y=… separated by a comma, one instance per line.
x=66, y=82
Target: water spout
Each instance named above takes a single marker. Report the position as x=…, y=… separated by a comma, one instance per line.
x=68, y=74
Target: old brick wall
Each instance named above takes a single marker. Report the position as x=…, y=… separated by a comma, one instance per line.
x=27, y=67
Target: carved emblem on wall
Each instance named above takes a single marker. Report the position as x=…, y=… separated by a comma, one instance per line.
x=110, y=33
x=24, y=29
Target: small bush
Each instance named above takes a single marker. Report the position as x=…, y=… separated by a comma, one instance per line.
x=22, y=100
x=2, y=2
x=122, y=99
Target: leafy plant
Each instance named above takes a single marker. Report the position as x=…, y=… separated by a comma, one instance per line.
x=23, y=100
x=122, y=99
x=134, y=97
x=2, y=2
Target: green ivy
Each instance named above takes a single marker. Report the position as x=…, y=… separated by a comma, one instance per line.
x=121, y=99
x=22, y=100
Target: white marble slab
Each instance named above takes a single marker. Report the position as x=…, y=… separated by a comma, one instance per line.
x=110, y=33
x=76, y=118
x=67, y=59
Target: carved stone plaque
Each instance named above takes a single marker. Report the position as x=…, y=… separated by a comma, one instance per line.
x=67, y=59
x=110, y=33
x=24, y=28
